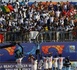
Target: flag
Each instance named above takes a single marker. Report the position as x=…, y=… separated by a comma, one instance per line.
x=1, y=38
x=10, y=7
x=3, y=9
x=33, y=34
x=7, y=9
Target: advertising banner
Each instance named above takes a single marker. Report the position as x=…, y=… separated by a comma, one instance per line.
x=56, y=48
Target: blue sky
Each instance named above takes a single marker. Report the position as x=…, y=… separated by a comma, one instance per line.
x=45, y=0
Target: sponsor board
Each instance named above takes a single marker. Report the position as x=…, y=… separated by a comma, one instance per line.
x=64, y=48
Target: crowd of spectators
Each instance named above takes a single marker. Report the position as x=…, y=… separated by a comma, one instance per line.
x=39, y=17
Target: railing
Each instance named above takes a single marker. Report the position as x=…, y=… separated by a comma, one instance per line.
x=46, y=36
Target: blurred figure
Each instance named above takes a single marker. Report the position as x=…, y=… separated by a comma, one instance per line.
x=50, y=58
x=45, y=63
x=19, y=63
x=40, y=63
x=61, y=62
x=56, y=62
x=67, y=63
x=33, y=61
x=34, y=66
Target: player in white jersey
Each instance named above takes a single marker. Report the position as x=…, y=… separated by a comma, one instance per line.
x=33, y=62
x=40, y=64
x=34, y=65
x=31, y=59
x=50, y=62
x=56, y=63
x=19, y=63
x=45, y=63
x=60, y=62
